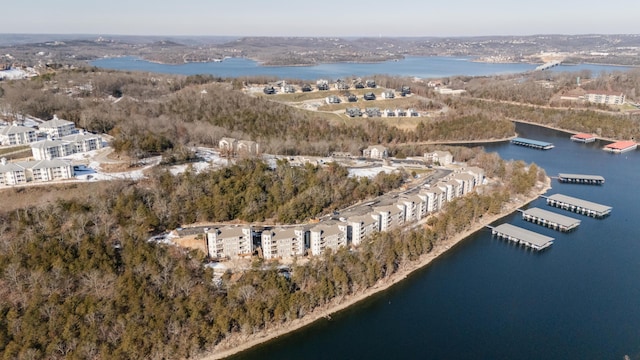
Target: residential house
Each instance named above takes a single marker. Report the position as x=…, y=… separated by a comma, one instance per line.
x=443, y=158
x=388, y=94
x=376, y=152
x=229, y=242
x=405, y=90
x=352, y=98
x=288, y=89
x=11, y=174
x=371, y=83
x=269, y=90
x=322, y=84
x=401, y=112
x=353, y=112
x=361, y=227
x=327, y=236
x=341, y=85
x=332, y=99
x=283, y=242
x=372, y=112
x=17, y=135
x=389, y=113
x=57, y=128
x=369, y=96
x=413, y=113
x=306, y=88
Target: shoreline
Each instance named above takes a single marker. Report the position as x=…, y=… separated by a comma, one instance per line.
x=240, y=343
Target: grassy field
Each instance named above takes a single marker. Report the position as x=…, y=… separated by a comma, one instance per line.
x=23, y=197
x=13, y=149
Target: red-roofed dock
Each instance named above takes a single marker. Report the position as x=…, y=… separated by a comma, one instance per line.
x=584, y=137
x=621, y=146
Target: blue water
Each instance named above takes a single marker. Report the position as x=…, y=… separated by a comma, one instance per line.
x=415, y=66
x=488, y=299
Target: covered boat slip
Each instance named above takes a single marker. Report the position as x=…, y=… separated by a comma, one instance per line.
x=550, y=219
x=578, y=205
x=522, y=236
x=532, y=143
x=581, y=179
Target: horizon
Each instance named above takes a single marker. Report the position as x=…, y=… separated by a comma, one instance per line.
x=333, y=18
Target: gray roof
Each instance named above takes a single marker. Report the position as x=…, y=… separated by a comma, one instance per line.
x=327, y=229
x=551, y=216
x=44, y=164
x=579, y=202
x=581, y=176
x=14, y=129
x=10, y=167
x=525, y=235
x=366, y=219
x=54, y=123
x=48, y=143
x=283, y=233
x=79, y=137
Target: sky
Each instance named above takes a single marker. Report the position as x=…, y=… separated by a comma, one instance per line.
x=344, y=18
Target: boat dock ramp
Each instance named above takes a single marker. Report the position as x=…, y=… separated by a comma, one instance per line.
x=541, y=145
x=522, y=236
x=550, y=219
x=578, y=205
x=581, y=179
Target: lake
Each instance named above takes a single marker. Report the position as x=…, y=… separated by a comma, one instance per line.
x=413, y=66
x=488, y=299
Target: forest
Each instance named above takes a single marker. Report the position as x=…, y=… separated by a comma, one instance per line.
x=79, y=280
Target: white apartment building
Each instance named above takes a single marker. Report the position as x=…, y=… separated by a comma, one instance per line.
x=283, y=242
x=229, y=242
x=42, y=170
x=11, y=174
x=17, y=135
x=391, y=216
x=376, y=152
x=327, y=236
x=57, y=128
x=50, y=149
x=84, y=142
x=361, y=227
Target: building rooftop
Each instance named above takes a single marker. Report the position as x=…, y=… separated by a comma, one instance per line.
x=581, y=176
x=579, y=202
x=553, y=217
x=539, y=240
x=621, y=145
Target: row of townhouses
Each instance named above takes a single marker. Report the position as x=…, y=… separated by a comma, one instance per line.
x=25, y=171
x=290, y=241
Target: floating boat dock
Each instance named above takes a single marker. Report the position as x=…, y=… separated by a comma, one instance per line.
x=541, y=145
x=621, y=146
x=550, y=219
x=581, y=179
x=578, y=205
x=522, y=236
x=584, y=138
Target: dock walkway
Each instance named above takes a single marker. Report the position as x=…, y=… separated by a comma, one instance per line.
x=550, y=219
x=578, y=205
x=522, y=236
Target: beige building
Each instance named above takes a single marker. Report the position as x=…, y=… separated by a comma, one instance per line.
x=283, y=242
x=376, y=152
x=327, y=236
x=361, y=227
x=605, y=97
x=42, y=170
x=229, y=242
x=443, y=158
